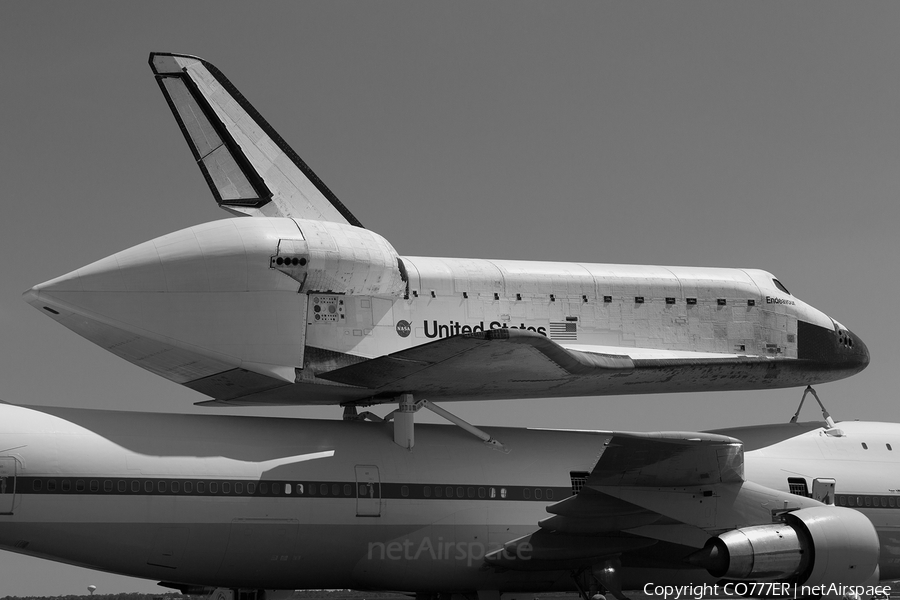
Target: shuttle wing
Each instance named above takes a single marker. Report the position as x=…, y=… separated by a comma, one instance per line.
x=521, y=363
x=249, y=168
x=482, y=357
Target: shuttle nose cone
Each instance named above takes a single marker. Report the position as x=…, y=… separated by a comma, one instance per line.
x=837, y=349
x=856, y=350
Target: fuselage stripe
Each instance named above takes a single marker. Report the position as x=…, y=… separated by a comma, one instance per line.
x=155, y=486
x=150, y=486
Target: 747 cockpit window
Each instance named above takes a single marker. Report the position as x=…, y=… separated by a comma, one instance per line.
x=780, y=286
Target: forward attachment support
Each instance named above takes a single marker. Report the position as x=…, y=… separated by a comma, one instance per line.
x=832, y=429
x=404, y=423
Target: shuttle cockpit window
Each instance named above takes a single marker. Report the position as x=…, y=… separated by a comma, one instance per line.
x=781, y=287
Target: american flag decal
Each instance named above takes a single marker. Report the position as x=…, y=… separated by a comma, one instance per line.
x=563, y=330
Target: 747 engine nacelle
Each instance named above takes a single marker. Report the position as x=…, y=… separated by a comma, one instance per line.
x=814, y=546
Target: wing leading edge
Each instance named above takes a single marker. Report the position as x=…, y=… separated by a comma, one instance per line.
x=249, y=168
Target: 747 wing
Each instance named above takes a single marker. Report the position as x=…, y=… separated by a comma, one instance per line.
x=651, y=498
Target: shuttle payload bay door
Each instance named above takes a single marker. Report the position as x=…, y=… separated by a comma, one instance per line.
x=7, y=484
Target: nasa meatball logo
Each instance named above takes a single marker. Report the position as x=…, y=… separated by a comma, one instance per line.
x=403, y=328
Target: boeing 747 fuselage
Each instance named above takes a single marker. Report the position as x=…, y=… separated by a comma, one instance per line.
x=262, y=503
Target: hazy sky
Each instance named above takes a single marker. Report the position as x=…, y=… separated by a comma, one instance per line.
x=760, y=134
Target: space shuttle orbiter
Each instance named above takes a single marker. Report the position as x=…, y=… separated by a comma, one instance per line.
x=300, y=304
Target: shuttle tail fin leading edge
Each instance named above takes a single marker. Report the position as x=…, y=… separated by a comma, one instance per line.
x=249, y=168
